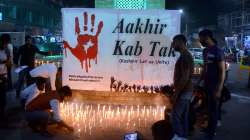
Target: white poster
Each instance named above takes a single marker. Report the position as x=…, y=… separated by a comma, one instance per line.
x=107, y=48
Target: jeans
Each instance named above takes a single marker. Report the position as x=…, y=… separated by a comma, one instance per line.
x=180, y=115
x=213, y=111
x=21, y=77
x=38, y=118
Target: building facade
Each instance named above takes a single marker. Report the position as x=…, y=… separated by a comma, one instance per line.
x=235, y=21
x=130, y=4
x=35, y=17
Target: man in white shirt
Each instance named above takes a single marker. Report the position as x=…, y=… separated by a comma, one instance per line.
x=32, y=91
x=4, y=58
x=46, y=71
x=6, y=41
x=37, y=113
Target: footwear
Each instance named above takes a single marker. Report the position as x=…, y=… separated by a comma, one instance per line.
x=47, y=134
x=219, y=124
x=176, y=137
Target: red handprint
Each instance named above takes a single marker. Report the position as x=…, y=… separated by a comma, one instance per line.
x=85, y=40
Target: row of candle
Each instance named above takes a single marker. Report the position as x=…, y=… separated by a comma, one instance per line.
x=197, y=70
x=98, y=118
x=41, y=62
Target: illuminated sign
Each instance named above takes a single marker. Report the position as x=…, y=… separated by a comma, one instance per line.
x=130, y=4
x=105, y=48
x=1, y=16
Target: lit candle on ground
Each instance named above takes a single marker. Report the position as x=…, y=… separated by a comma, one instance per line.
x=88, y=119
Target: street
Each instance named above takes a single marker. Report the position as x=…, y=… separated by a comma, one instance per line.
x=235, y=118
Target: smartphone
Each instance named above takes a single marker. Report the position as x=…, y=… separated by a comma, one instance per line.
x=131, y=136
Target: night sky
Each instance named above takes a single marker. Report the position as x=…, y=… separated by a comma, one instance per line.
x=197, y=13
x=205, y=12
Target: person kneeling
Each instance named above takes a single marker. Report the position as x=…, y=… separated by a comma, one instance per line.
x=37, y=113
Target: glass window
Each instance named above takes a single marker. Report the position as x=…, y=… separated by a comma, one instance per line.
x=247, y=19
x=236, y=22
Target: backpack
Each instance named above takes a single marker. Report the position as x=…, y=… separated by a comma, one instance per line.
x=225, y=94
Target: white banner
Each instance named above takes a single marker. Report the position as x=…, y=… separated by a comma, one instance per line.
x=104, y=48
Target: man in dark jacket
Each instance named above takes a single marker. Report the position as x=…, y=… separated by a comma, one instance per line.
x=26, y=53
x=182, y=88
x=214, y=76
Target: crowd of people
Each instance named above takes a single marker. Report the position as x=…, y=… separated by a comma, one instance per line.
x=43, y=90
x=39, y=89
x=186, y=96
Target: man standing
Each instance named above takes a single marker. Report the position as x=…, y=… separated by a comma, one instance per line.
x=27, y=57
x=183, y=88
x=6, y=41
x=213, y=75
x=4, y=58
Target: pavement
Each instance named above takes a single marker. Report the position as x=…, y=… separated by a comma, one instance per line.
x=235, y=117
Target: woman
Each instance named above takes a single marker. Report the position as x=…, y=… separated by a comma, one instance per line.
x=6, y=41
x=4, y=58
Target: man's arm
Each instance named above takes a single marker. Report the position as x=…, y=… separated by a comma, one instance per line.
x=221, y=65
x=52, y=77
x=221, y=71
x=56, y=115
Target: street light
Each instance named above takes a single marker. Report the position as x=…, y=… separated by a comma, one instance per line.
x=181, y=11
x=185, y=18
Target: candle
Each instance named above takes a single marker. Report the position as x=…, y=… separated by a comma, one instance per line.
x=88, y=119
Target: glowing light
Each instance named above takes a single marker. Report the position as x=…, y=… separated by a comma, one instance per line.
x=181, y=11
x=130, y=4
x=93, y=118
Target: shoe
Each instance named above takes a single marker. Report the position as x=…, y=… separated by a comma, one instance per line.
x=47, y=134
x=176, y=137
x=219, y=124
